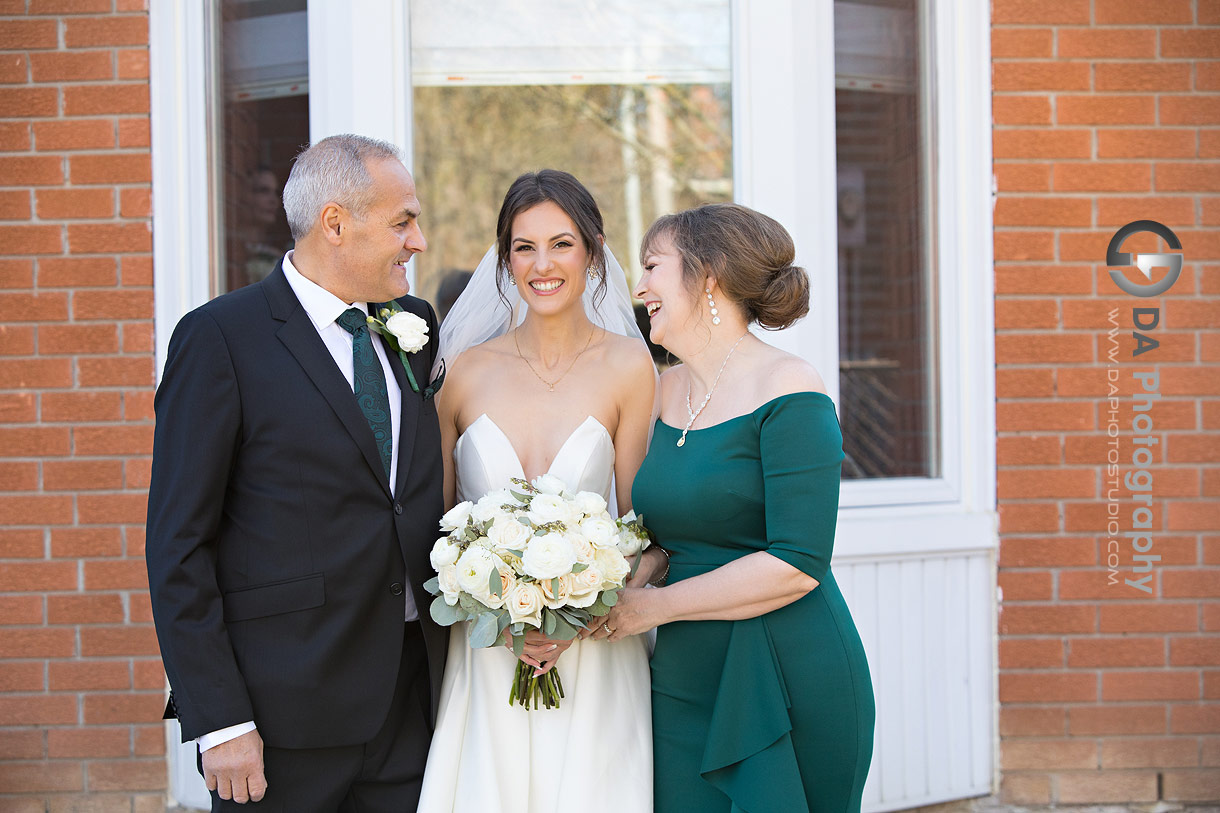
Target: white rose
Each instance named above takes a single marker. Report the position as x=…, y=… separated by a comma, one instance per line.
x=548, y=556
x=456, y=516
x=552, y=599
x=444, y=552
x=491, y=505
x=506, y=534
x=474, y=568
x=450, y=588
x=508, y=581
x=613, y=566
x=525, y=604
x=629, y=543
x=546, y=508
x=410, y=330
x=582, y=547
x=601, y=532
x=548, y=484
x=589, y=503
x=585, y=587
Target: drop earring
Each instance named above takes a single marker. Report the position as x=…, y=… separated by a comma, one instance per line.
x=592, y=274
x=711, y=303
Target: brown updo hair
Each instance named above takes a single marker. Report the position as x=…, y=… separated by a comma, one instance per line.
x=569, y=194
x=748, y=253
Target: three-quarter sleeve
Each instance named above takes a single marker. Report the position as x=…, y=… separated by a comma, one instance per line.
x=801, y=448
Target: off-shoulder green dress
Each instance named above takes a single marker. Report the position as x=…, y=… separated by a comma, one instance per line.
x=772, y=714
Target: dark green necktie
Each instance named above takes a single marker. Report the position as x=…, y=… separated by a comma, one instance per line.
x=369, y=382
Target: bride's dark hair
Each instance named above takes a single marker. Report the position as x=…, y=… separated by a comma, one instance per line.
x=569, y=194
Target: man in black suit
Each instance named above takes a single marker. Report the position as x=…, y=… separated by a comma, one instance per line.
x=296, y=490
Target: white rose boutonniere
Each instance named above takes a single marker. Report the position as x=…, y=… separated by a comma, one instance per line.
x=406, y=333
x=409, y=329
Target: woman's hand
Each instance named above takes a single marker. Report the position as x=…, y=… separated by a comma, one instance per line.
x=635, y=612
x=539, y=651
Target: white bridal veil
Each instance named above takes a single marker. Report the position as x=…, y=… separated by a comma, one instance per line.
x=481, y=313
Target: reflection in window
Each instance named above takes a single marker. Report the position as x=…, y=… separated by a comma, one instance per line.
x=886, y=284
x=634, y=101
x=265, y=123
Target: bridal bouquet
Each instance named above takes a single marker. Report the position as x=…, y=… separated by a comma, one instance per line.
x=531, y=556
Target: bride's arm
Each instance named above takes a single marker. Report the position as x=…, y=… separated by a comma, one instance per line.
x=447, y=401
x=636, y=387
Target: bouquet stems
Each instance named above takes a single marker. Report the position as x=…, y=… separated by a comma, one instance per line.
x=527, y=688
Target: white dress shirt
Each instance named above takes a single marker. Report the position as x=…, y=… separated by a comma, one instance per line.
x=323, y=309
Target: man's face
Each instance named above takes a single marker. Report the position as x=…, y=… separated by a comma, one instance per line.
x=266, y=203
x=377, y=246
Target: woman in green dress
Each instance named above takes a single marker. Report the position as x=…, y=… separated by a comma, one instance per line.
x=761, y=696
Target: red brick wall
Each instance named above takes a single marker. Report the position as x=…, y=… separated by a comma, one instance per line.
x=80, y=681
x=1106, y=111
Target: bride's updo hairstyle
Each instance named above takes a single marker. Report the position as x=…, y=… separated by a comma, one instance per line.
x=569, y=194
x=748, y=253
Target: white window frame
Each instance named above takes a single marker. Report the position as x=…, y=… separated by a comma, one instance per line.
x=784, y=163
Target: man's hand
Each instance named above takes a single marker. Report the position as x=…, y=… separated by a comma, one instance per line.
x=234, y=769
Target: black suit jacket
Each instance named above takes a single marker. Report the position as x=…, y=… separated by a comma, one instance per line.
x=277, y=551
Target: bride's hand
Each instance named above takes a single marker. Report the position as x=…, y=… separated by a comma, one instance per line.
x=631, y=614
x=539, y=651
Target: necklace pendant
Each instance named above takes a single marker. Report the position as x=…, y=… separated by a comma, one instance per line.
x=682, y=441
x=550, y=387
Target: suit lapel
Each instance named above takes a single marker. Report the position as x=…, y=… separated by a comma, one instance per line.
x=302, y=340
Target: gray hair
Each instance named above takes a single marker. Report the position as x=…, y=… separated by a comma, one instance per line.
x=334, y=169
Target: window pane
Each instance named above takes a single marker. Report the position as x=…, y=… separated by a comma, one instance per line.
x=265, y=123
x=886, y=330
x=632, y=101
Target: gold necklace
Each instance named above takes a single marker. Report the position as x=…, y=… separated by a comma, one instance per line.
x=694, y=413
x=550, y=385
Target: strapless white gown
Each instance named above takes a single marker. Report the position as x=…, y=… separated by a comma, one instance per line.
x=594, y=752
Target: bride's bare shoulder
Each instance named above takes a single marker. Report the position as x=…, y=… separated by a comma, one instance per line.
x=626, y=355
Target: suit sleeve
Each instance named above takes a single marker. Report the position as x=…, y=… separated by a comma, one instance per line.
x=198, y=429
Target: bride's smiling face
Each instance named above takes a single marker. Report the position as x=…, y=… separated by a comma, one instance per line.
x=548, y=258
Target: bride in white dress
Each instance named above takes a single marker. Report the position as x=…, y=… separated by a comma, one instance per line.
x=547, y=374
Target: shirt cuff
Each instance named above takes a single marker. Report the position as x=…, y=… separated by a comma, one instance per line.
x=209, y=741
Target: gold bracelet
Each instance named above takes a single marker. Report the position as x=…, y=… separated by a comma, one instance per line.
x=660, y=580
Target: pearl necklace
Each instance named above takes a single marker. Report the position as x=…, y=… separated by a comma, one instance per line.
x=694, y=413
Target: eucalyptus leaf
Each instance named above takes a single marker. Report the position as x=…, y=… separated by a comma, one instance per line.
x=483, y=631
x=433, y=585
x=563, y=630
x=495, y=584
x=609, y=597
x=548, y=622
x=579, y=567
x=517, y=553
x=524, y=498
x=518, y=644
x=554, y=587
x=442, y=613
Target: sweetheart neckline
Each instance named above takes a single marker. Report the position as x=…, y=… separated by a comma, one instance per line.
x=517, y=457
